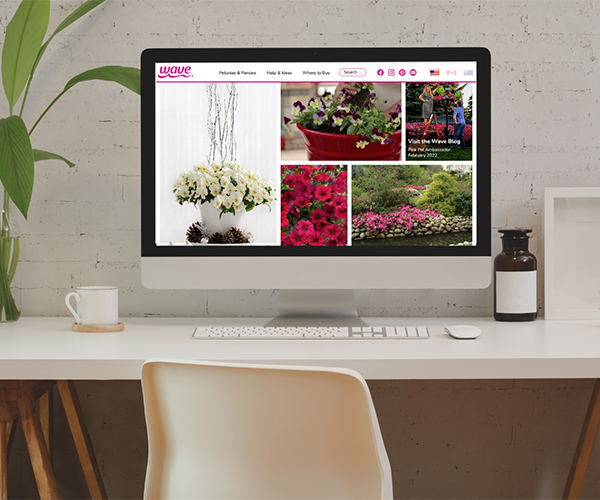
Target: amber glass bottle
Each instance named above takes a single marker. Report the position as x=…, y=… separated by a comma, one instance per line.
x=515, y=278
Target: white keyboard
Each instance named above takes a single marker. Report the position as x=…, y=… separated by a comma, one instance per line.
x=299, y=333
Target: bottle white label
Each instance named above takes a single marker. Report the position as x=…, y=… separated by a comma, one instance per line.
x=516, y=292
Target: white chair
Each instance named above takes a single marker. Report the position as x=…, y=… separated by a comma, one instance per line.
x=241, y=431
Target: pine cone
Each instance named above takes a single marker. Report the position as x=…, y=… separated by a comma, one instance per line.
x=228, y=237
x=196, y=232
x=236, y=236
x=216, y=238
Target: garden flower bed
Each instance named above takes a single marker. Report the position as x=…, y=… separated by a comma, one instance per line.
x=407, y=221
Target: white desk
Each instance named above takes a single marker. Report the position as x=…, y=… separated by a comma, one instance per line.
x=46, y=348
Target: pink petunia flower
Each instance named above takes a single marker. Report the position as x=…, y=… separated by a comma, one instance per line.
x=321, y=177
x=302, y=201
x=329, y=209
x=305, y=226
x=318, y=216
x=297, y=238
x=316, y=239
x=332, y=231
x=341, y=211
x=323, y=193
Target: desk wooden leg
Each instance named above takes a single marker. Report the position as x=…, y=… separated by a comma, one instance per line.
x=12, y=429
x=45, y=412
x=3, y=460
x=82, y=440
x=40, y=458
x=585, y=446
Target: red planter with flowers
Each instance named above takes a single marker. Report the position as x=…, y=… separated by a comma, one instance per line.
x=323, y=146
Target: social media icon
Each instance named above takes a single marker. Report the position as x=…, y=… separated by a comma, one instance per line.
x=380, y=72
x=402, y=72
x=391, y=72
x=413, y=72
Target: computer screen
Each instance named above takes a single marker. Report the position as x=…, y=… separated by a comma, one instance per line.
x=319, y=168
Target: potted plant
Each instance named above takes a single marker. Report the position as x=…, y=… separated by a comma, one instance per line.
x=348, y=127
x=22, y=51
x=223, y=192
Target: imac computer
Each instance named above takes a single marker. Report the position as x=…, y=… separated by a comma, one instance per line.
x=316, y=170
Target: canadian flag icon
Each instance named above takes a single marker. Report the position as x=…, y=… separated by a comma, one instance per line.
x=451, y=72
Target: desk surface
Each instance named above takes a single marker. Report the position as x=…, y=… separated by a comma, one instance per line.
x=46, y=348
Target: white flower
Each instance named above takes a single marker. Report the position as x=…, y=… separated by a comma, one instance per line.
x=228, y=188
x=227, y=202
x=228, y=185
x=237, y=197
x=200, y=180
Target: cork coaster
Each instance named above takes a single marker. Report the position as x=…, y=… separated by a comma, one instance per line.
x=119, y=327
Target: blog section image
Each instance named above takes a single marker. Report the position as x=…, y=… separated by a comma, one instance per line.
x=217, y=164
x=412, y=205
x=439, y=121
x=314, y=205
x=341, y=121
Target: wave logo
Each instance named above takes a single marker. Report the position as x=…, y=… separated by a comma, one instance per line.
x=174, y=72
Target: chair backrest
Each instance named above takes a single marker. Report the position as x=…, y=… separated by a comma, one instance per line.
x=234, y=431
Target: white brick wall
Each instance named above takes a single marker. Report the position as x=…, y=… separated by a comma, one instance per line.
x=84, y=222
x=544, y=82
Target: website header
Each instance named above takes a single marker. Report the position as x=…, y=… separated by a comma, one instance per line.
x=323, y=72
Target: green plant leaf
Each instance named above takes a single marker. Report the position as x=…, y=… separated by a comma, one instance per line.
x=80, y=11
x=124, y=75
x=24, y=36
x=39, y=155
x=16, y=162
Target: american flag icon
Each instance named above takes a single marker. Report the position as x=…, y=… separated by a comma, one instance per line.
x=434, y=72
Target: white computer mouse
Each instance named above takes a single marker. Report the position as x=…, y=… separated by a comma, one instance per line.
x=463, y=332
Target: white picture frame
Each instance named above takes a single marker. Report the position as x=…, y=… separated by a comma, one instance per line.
x=571, y=253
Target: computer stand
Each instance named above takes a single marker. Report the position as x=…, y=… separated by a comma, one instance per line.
x=316, y=308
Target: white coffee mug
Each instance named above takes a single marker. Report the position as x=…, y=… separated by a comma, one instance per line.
x=96, y=305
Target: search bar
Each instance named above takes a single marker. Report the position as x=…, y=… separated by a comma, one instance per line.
x=353, y=72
